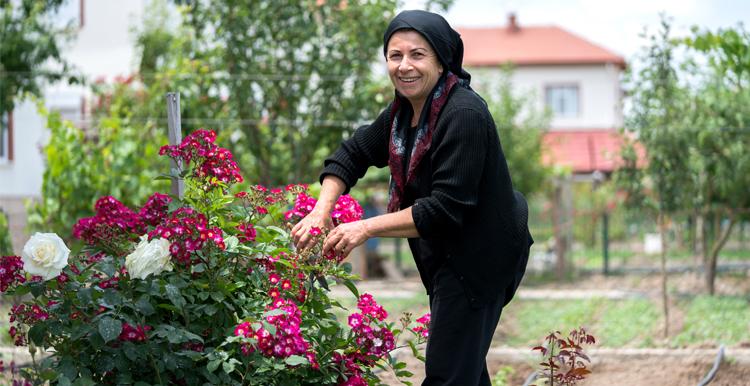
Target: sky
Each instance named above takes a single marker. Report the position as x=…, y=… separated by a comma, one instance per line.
x=613, y=24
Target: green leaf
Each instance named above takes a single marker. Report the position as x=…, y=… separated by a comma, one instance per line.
x=213, y=365
x=48, y=374
x=349, y=284
x=278, y=230
x=109, y=328
x=112, y=297
x=274, y=312
x=143, y=305
x=84, y=295
x=231, y=243
x=84, y=381
x=228, y=367
x=217, y=296
x=173, y=293
x=323, y=282
x=131, y=351
x=296, y=360
x=62, y=380
x=37, y=333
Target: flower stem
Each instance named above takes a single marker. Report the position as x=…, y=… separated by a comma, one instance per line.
x=158, y=374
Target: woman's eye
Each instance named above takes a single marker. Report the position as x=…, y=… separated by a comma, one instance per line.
x=395, y=57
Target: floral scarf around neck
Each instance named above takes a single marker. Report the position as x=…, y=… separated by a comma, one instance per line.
x=401, y=174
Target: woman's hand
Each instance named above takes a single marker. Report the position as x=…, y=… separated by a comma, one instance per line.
x=301, y=231
x=345, y=237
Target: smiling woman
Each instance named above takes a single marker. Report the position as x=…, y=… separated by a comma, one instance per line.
x=413, y=67
x=451, y=195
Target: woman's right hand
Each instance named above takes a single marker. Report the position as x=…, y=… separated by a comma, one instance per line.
x=301, y=231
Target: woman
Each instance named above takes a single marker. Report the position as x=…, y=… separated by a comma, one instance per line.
x=451, y=195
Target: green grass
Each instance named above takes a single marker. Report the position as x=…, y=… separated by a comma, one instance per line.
x=532, y=320
x=628, y=323
x=631, y=322
x=714, y=320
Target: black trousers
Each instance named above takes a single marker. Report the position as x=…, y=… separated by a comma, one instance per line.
x=460, y=335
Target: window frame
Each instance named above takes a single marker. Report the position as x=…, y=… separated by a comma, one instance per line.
x=563, y=85
x=6, y=142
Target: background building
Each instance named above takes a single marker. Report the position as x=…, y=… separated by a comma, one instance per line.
x=577, y=80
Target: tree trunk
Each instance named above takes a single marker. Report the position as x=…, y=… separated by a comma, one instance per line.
x=713, y=257
x=700, y=241
x=664, y=295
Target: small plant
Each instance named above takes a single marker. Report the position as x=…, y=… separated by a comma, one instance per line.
x=563, y=360
x=502, y=377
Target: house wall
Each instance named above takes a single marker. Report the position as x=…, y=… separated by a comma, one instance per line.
x=599, y=91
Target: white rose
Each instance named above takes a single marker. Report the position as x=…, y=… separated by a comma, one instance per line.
x=45, y=255
x=149, y=257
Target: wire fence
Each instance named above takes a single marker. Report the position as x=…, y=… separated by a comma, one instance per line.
x=622, y=240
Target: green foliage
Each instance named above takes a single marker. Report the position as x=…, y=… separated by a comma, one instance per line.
x=692, y=120
x=30, y=44
x=521, y=128
x=6, y=248
x=120, y=161
x=715, y=320
x=100, y=323
x=627, y=323
x=502, y=377
x=298, y=75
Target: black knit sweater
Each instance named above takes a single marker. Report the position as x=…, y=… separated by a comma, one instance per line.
x=462, y=198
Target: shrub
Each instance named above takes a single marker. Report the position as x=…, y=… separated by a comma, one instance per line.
x=200, y=290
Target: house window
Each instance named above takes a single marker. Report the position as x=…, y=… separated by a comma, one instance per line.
x=6, y=138
x=562, y=100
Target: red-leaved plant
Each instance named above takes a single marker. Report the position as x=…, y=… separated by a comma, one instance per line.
x=563, y=360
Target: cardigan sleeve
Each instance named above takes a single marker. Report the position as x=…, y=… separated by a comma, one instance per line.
x=368, y=146
x=458, y=160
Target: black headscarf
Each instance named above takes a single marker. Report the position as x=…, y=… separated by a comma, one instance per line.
x=444, y=40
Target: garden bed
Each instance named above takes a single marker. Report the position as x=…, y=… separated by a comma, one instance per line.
x=619, y=367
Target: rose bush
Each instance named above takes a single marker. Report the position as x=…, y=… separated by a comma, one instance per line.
x=206, y=289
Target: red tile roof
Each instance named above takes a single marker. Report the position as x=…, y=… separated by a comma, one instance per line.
x=531, y=46
x=585, y=151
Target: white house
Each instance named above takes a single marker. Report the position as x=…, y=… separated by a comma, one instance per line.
x=102, y=49
x=578, y=80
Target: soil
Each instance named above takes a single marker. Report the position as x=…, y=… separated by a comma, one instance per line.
x=666, y=368
x=617, y=371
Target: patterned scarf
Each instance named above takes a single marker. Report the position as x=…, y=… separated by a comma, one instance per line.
x=423, y=138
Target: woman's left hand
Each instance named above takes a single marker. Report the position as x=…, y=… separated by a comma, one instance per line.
x=345, y=237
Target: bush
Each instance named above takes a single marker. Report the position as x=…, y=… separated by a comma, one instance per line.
x=6, y=247
x=200, y=290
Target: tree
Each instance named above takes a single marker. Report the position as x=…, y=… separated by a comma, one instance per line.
x=297, y=76
x=721, y=121
x=692, y=120
x=521, y=128
x=657, y=119
x=29, y=46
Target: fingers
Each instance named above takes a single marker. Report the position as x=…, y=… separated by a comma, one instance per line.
x=331, y=242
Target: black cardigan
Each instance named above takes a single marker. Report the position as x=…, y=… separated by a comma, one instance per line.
x=463, y=203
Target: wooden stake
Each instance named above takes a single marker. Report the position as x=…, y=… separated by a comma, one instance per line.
x=175, y=137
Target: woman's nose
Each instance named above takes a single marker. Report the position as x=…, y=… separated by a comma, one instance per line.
x=405, y=65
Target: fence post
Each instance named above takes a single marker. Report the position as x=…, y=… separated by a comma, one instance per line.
x=175, y=137
x=605, y=241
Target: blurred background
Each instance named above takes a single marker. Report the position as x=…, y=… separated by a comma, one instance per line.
x=625, y=124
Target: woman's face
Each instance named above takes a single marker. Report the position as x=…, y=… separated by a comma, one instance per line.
x=413, y=66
